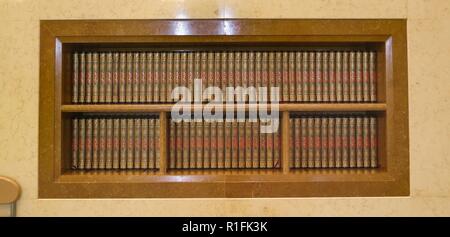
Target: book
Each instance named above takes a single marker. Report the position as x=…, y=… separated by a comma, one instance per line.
x=373, y=76
x=116, y=141
x=156, y=76
x=265, y=74
x=176, y=82
x=298, y=77
x=95, y=78
x=304, y=149
x=75, y=77
x=88, y=75
x=199, y=145
x=345, y=77
x=252, y=80
x=102, y=78
x=305, y=77
x=325, y=77
x=345, y=142
x=352, y=77
x=82, y=78
x=291, y=76
x=157, y=144
x=366, y=141
x=311, y=142
x=163, y=77
x=234, y=144
x=331, y=142
x=75, y=145
x=332, y=77
x=352, y=141
x=241, y=144
x=192, y=145
x=82, y=143
x=169, y=79
x=318, y=77
x=317, y=143
x=206, y=158
x=144, y=143
x=102, y=144
x=262, y=148
x=183, y=70
x=129, y=82
x=108, y=78
x=324, y=142
x=179, y=145
x=123, y=143
x=312, y=77
x=228, y=141
x=151, y=144
x=122, y=76
x=278, y=71
x=109, y=144
x=224, y=71
x=294, y=141
x=338, y=143
x=272, y=74
x=285, y=76
x=359, y=142
x=143, y=78
x=130, y=144
x=95, y=144
x=276, y=150
x=365, y=77
x=217, y=70
x=359, y=77
x=373, y=142
x=221, y=147
x=137, y=132
x=172, y=145
x=339, y=77
x=150, y=79
x=88, y=145
x=213, y=145
x=255, y=145
x=115, y=77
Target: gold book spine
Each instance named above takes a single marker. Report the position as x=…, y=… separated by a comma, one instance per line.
x=359, y=77
x=82, y=78
x=365, y=77
x=116, y=143
x=102, y=144
x=88, y=140
x=108, y=78
x=305, y=77
x=291, y=75
x=157, y=143
x=304, y=149
x=151, y=144
x=102, y=79
x=123, y=143
x=144, y=143
x=122, y=77
x=352, y=141
x=373, y=76
x=331, y=142
x=156, y=77
x=88, y=90
x=95, y=144
x=150, y=76
x=319, y=78
x=115, y=77
x=338, y=143
x=109, y=144
x=163, y=77
x=82, y=144
x=352, y=81
x=262, y=148
x=359, y=142
x=373, y=142
x=169, y=76
x=332, y=76
x=345, y=77
x=95, y=79
x=143, y=78
x=206, y=145
x=75, y=77
x=75, y=145
x=366, y=142
x=130, y=144
x=129, y=78
x=325, y=77
x=324, y=142
x=199, y=144
x=137, y=143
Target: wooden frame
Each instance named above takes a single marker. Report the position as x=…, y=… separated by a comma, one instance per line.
x=387, y=36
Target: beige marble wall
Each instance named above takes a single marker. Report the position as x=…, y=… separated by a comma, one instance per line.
x=429, y=94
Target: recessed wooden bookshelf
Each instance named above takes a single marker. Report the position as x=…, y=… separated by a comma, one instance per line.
x=155, y=157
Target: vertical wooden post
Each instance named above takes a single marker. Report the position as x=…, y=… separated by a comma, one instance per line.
x=285, y=141
x=163, y=128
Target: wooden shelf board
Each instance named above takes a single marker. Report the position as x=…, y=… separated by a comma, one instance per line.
x=154, y=108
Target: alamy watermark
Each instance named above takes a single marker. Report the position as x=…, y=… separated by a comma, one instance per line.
x=261, y=105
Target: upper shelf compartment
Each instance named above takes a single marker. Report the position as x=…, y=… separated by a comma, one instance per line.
x=339, y=72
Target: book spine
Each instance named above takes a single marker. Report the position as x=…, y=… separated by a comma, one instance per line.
x=228, y=139
x=199, y=145
x=373, y=142
x=204, y=71
x=311, y=143
x=298, y=77
x=213, y=147
x=172, y=147
x=149, y=71
x=142, y=78
x=144, y=143
x=294, y=141
x=82, y=144
x=269, y=150
x=234, y=144
x=230, y=73
x=151, y=143
x=130, y=144
x=75, y=77
x=240, y=67
x=102, y=79
x=224, y=71
x=156, y=141
x=129, y=84
x=137, y=143
x=115, y=77
x=331, y=143
x=122, y=76
x=325, y=77
x=217, y=70
x=265, y=82
x=365, y=77
x=338, y=143
x=359, y=77
x=352, y=141
x=373, y=76
x=276, y=150
x=169, y=76
x=116, y=143
x=317, y=143
x=285, y=76
x=345, y=77
x=206, y=145
x=123, y=143
x=108, y=78
x=156, y=76
x=162, y=77
x=88, y=148
x=176, y=82
x=279, y=74
x=255, y=145
x=248, y=144
x=75, y=146
x=345, y=142
x=271, y=74
x=366, y=142
x=241, y=146
x=339, y=77
x=291, y=73
x=312, y=77
x=359, y=142
x=109, y=144
x=352, y=79
x=102, y=145
x=324, y=142
x=332, y=76
x=82, y=78
x=95, y=79
x=183, y=72
x=304, y=149
x=262, y=148
x=251, y=73
x=305, y=77
x=192, y=145
x=318, y=77
x=211, y=72
x=186, y=145
x=257, y=72
x=88, y=90
x=179, y=145
x=220, y=145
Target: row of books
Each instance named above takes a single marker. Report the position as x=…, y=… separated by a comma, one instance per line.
x=333, y=142
x=149, y=77
x=115, y=143
x=216, y=145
